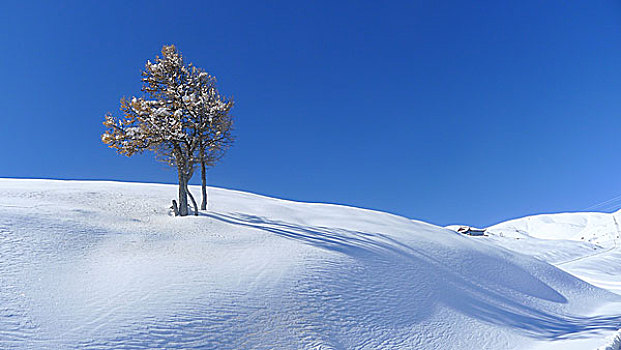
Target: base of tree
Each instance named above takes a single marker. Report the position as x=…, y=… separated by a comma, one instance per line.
x=175, y=207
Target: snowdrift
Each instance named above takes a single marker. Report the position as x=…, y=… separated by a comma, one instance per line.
x=104, y=265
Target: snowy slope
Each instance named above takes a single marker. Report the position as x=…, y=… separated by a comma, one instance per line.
x=103, y=265
x=587, y=245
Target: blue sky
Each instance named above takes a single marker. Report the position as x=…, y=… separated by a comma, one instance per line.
x=448, y=112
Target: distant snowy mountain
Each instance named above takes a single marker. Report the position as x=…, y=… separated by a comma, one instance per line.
x=587, y=245
x=586, y=227
x=104, y=265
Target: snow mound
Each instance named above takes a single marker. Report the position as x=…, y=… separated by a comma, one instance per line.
x=104, y=265
x=615, y=342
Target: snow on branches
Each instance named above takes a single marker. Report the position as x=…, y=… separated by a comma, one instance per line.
x=182, y=118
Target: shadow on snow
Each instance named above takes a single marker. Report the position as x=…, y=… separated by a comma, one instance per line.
x=509, y=299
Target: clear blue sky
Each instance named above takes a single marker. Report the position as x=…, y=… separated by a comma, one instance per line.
x=445, y=111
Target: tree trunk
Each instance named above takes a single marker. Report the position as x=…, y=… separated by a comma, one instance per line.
x=193, y=201
x=204, y=185
x=183, y=194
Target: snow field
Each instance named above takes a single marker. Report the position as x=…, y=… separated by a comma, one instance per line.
x=104, y=265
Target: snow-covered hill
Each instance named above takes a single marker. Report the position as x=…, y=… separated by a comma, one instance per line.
x=587, y=245
x=104, y=265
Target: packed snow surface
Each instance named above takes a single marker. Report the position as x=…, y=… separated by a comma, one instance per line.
x=104, y=265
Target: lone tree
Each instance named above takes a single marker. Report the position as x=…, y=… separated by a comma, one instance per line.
x=182, y=119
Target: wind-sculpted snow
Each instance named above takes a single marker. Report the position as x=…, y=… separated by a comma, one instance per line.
x=103, y=265
x=587, y=245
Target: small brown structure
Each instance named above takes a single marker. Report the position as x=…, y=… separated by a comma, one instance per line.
x=470, y=231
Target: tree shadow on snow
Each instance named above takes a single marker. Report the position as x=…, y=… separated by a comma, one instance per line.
x=513, y=298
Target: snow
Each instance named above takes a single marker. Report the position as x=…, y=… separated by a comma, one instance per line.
x=104, y=265
x=586, y=245
x=614, y=343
